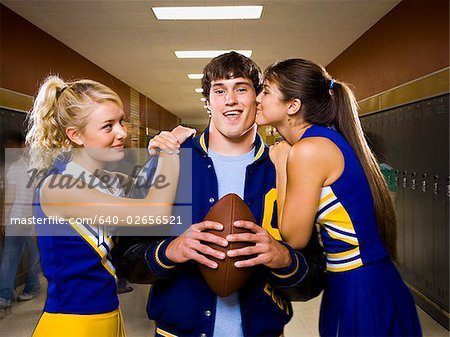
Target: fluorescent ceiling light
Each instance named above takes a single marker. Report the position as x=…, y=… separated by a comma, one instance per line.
x=203, y=99
x=198, y=90
x=184, y=54
x=195, y=76
x=208, y=13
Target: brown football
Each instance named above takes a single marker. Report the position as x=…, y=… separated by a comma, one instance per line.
x=226, y=278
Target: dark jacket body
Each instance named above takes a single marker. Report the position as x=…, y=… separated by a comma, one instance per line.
x=180, y=301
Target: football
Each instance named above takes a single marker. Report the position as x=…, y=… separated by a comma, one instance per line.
x=226, y=278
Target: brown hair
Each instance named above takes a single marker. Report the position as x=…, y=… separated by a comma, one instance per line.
x=328, y=102
x=231, y=65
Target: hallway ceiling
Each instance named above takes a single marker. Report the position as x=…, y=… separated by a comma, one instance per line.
x=126, y=39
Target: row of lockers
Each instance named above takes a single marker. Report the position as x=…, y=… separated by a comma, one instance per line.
x=414, y=140
x=414, y=137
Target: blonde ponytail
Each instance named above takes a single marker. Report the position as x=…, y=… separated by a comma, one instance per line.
x=57, y=106
x=46, y=139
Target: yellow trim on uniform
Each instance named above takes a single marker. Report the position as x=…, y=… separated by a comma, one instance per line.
x=326, y=198
x=164, y=333
x=291, y=273
x=260, y=152
x=94, y=245
x=346, y=268
x=348, y=239
x=157, y=257
x=269, y=205
x=109, y=324
x=202, y=143
x=343, y=254
x=338, y=217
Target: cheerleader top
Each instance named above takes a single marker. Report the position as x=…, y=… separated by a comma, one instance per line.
x=346, y=212
x=75, y=255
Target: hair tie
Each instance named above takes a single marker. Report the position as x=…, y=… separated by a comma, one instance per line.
x=332, y=84
x=59, y=92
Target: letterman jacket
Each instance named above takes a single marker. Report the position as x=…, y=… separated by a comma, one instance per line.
x=180, y=301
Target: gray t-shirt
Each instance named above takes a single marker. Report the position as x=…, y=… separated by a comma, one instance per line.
x=230, y=172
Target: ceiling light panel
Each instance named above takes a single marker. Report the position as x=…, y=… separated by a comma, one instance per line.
x=208, y=13
x=183, y=54
x=195, y=76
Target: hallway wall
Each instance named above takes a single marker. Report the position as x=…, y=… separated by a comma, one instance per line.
x=399, y=70
x=28, y=55
x=409, y=42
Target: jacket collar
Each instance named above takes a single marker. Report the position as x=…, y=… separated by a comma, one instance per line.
x=201, y=143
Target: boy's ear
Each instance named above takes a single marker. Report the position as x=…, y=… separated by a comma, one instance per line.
x=74, y=135
x=294, y=106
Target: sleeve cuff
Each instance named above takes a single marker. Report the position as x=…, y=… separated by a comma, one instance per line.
x=157, y=259
x=292, y=274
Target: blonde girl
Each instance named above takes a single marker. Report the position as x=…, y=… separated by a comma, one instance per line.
x=75, y=128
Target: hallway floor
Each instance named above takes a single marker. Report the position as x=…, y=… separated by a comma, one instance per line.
x=25, y=315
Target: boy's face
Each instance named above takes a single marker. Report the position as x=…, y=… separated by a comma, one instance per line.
x=232, y=103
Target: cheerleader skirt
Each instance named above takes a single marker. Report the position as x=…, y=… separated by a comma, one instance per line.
x=371, y=300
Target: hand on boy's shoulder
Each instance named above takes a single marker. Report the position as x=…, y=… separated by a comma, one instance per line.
x=279, y=152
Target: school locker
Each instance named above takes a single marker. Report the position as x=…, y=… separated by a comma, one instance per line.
x=415, y=140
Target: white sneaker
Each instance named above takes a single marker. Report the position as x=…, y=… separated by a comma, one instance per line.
x=5, y=307
x=4, y=303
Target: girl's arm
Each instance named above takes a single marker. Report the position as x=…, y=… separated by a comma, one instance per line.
x=124, y=179
x=278, y=155
x=170, y=141
x=67, y=197
x=312, y=163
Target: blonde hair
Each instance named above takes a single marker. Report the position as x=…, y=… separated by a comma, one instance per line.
x=59, y=105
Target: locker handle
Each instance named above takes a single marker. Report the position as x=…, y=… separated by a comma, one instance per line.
x=396, y=177
x=405, y=179
x=413, y=180
x=424, y=182
x=435, y=184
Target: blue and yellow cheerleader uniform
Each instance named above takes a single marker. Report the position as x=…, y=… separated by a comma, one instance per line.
x=82, y=298
x=364, y=295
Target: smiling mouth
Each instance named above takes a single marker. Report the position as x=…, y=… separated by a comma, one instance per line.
x=232, y=113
